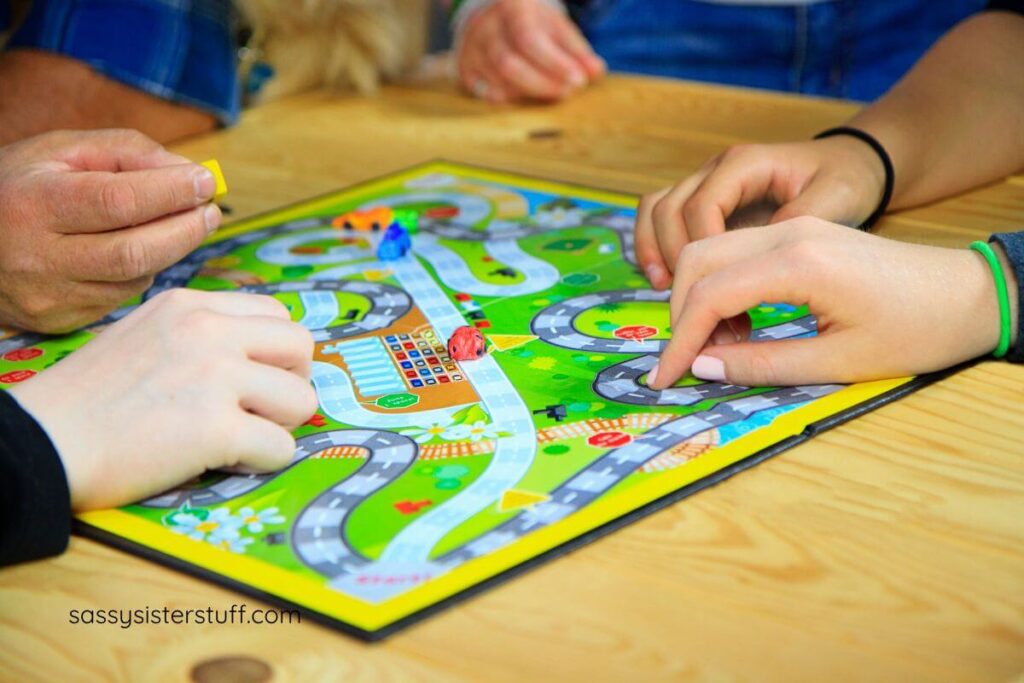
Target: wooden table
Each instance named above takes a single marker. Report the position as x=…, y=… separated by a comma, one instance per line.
x=891, y=548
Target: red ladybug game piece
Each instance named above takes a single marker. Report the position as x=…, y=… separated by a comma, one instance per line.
x=467, y=344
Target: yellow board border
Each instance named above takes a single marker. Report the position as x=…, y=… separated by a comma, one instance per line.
x=299, y=210
x=317, y=597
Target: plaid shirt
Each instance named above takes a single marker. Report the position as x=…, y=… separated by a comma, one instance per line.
x=178, y=50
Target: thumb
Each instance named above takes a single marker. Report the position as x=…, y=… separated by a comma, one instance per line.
x=813, y=360
x=827, y=198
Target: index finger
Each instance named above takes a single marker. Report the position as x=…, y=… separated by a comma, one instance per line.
x=272, y=341
x=703, y=257
x=739, y=179
x=223, y=302
x=534, y=44
x=668, y=228
x=114, y=150
x=98, y=201
x=720, y=296
x=648, y=255
x=519, y=73
x=569, y=37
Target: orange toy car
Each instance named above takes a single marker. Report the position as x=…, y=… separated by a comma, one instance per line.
x=368, y=220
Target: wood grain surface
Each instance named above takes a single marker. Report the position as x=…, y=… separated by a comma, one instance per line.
x=888, y=549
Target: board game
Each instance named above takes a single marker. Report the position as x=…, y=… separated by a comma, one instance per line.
x=422, y=479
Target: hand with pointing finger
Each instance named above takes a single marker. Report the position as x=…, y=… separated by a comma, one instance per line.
x=884, y=308
x=839, y=179
x=86, y=220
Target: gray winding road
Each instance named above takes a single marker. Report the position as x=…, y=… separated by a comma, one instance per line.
x=594, y=480
x=318, y=532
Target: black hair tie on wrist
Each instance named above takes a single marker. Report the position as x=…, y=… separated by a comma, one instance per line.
x=890, y=174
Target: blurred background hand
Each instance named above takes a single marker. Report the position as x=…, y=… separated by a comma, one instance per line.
x=513, y=50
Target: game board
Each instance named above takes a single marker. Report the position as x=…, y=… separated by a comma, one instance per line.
x=421, y=479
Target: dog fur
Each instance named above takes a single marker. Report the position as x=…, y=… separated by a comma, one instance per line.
x=335, y=44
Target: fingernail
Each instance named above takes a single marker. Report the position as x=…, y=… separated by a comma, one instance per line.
x=577, y=79
x=655, y=273
x=204, y=184
x=652, y=375
x=708, y=368
x=735, y=332
x=211, y=217
x=721, y=335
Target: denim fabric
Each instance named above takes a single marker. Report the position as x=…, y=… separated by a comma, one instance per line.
x=1013, y=244
x=854, y=49
x=179, y=50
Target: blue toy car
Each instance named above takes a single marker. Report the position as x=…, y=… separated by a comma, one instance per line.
x=394, y=244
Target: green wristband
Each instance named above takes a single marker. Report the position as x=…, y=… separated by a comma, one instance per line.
x=1004, y=298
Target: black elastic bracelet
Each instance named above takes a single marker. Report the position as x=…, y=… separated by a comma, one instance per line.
x=890, y=174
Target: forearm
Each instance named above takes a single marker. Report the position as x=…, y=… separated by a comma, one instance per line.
x=42, y=91
x=956, y=120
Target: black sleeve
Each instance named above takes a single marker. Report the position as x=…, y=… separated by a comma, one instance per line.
x=35, y=504
x=1007, y=5
x=1013, y=244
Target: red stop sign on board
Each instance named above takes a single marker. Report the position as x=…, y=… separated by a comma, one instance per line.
x=23, y=354
x=442, y=212
x=15, y=376
x=636, y=332
x=609, y=439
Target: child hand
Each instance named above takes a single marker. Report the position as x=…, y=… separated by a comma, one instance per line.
x=840, y=179
x=884, y=308
x=87, y=218
x=524, y=49
x=190, y=381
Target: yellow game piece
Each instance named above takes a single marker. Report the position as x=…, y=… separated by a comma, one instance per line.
x=504, y=342
x=218, y=176
x=514, y=499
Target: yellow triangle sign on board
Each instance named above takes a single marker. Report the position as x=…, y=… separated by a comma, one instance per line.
x=514, y=499
x=374, y=274
x=504, y=342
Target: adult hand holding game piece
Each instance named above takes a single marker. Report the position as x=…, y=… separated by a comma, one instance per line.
x=190, y=381
x=86, y=220
x=524, y=49
x=884, y=308
x=839, y=179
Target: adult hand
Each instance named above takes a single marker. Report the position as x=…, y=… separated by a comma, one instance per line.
x=839, y=179
x=524, y=49
x=86, y=220
x=190, y=381
x=884, y=308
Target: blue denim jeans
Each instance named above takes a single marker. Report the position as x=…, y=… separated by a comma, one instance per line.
x=854, y=49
